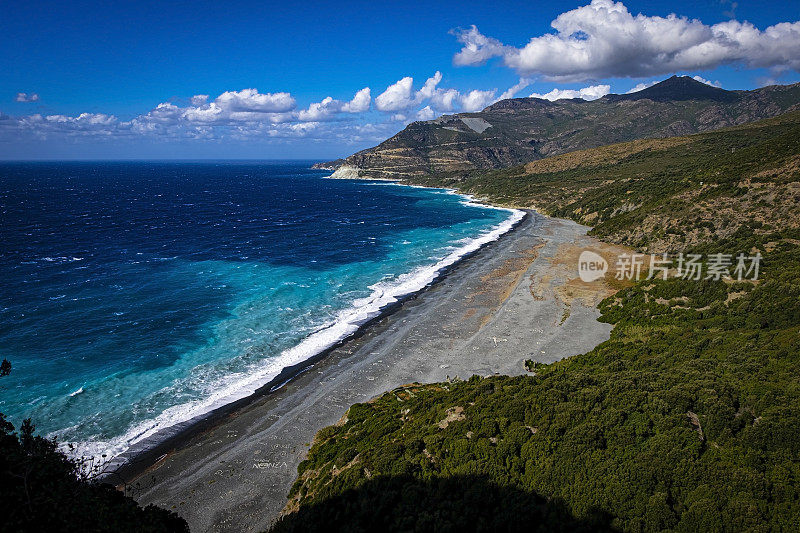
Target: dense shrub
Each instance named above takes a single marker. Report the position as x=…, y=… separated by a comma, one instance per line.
x=42, y=490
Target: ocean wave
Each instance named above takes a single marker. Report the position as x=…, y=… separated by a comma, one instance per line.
x=59, y=259
x=242, y=384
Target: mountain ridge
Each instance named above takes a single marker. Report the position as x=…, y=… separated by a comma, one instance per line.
x=520, y=130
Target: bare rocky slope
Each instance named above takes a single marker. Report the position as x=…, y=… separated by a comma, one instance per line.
x=520, y=130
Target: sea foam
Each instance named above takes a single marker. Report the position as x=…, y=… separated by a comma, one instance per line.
x=238, y=385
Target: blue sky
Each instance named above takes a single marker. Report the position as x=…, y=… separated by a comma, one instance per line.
x=85, y=79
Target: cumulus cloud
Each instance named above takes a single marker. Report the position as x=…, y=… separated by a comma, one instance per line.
x=401, y=97
x=165, y=113
x=230, y=107
x=250, y=100
x=476, y=100
x=604, y=39
x=250, y=114
x=477, y=48
x=42, y=127
x=641, y=86
x=441, y=99
x=205, y=113
x=232, y=114
x=199, y=99
x=27, y=97
x=707, y=82
x=321, y=110
x=592, y=92
x=396, y=96
x=429, y=88
x=87, y=119
x=359, y=103
x=446, y=99
x=511, y=91
x=329, y=108
x=426, y=113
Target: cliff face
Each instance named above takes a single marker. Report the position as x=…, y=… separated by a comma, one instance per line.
x=520, y=130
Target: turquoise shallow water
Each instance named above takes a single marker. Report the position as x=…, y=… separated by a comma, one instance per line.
x=138, y=295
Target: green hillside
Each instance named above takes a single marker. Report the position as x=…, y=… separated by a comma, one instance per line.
x=662, y=194
x=687, y=419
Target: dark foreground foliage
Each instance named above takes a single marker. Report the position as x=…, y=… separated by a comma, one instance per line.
x=41, y=490
x=453, y=504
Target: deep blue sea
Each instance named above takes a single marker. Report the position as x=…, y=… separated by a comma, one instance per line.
x=135, y=295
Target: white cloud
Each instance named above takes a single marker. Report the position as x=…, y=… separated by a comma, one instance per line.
x=396, y=96
x=641, y=86
x=199, y=99
x=359, y=103
x=27, y=98
x=83, y=125
x=250, y=100
x=426, y=113
x=429, y=88
x=592, y=92
x=320, y=111
x=707, y=82
x=441, y=99
x=233, y=114
x=84, y=119
x=206, y=113
x=445, y=99
x=604, y=40
x=328, y=108
x=477, y=47
x=511, y=91
x=249, y=114
x=230, y=107
x=476, y=100
x=401, y=97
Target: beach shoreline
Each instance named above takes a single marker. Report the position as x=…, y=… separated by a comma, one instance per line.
x=514, y=299
x=142, y=454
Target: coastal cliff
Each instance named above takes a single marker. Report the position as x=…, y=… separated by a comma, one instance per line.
x=520, y=130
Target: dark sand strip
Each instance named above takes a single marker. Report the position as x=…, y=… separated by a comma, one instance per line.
x=515, y=299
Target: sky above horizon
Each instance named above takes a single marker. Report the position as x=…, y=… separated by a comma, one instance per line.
x=321, y=80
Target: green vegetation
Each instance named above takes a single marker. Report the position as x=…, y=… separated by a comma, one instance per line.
x=43, y=490
x=687, y=419
x=662, y=194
